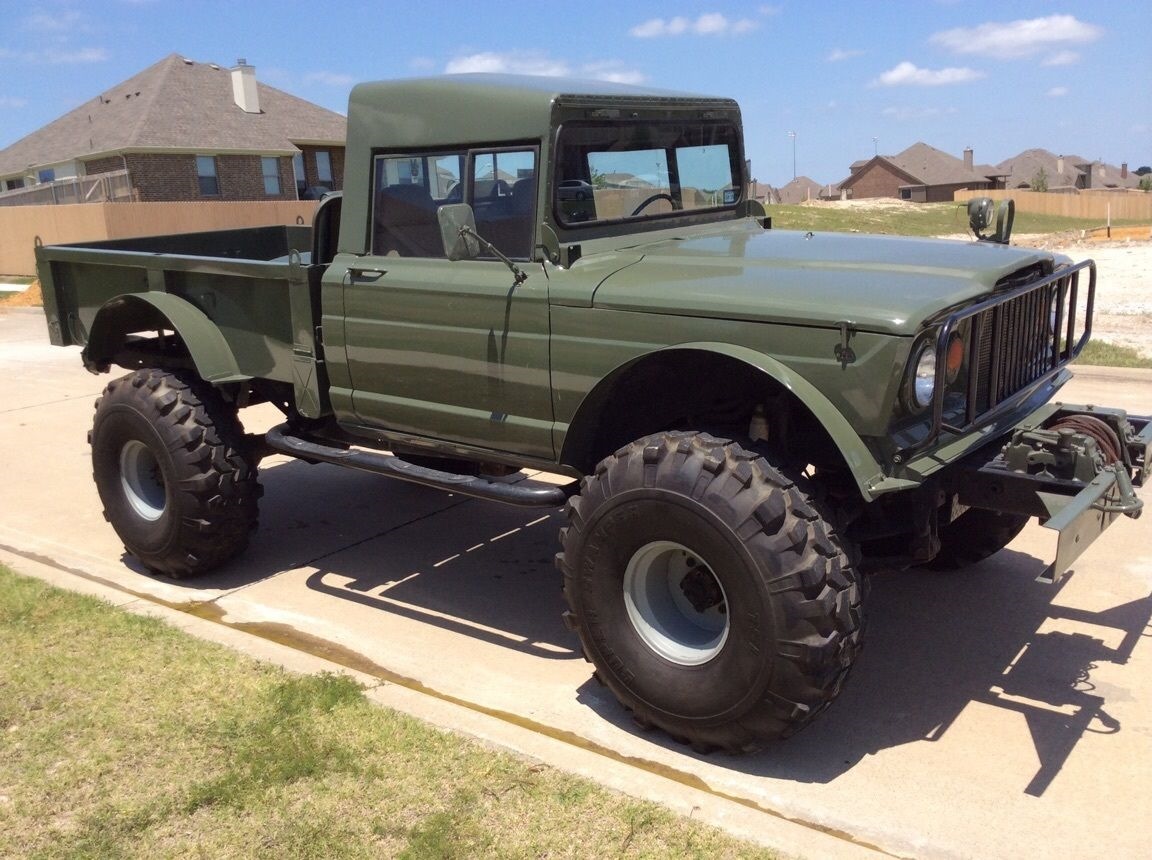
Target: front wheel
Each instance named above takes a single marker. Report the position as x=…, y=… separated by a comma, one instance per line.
x=713, y=599
x=974, y=536
x=171, y=467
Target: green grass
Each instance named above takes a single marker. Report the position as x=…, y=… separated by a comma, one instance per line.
x=122, y=737
x=914, y=219
x=1104, y=354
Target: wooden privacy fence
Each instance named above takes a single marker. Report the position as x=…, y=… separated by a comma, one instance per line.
x=57, y=225
x=1092, y=205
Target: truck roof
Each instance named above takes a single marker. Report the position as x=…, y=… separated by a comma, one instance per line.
x=479, y=108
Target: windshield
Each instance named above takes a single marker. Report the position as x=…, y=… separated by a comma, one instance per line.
x=612, y=171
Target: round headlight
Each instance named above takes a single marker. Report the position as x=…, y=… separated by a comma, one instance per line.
x=924, y=376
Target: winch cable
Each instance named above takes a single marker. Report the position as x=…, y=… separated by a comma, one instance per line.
x=1105, y=437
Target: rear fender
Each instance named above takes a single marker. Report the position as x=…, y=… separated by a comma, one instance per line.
x=134, y=312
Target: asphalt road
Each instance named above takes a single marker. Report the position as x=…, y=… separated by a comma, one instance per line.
x=989, y=716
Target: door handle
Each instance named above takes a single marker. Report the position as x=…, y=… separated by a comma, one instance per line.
x=364, y=274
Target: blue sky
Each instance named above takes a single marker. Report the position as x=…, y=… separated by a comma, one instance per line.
x=847, y=78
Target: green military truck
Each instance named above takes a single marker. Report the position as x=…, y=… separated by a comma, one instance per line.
x=533, y=275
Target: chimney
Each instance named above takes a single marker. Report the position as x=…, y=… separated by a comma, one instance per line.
x=968, y=158
x=1124, y=170
x=1060, y=164
x=244, y=91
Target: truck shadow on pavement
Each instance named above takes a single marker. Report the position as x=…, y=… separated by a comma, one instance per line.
x=936, y=643
x=481, y=570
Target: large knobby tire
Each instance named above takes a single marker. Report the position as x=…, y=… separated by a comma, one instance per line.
x=974, y=536
x=713, y=599
x=171, y=467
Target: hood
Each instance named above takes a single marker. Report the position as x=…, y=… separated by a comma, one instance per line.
x=878, y=283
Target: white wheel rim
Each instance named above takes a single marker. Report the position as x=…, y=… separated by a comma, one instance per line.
x=142, y=481
x=675, y=603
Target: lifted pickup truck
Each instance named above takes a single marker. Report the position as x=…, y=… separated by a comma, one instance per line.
x=564, y=276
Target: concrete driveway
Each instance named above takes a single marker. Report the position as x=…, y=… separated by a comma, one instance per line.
x=989, y=716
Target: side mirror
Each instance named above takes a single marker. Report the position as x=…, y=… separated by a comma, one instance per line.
x=458, y=231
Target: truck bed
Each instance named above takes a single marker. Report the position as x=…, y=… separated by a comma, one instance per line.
x=252, y=283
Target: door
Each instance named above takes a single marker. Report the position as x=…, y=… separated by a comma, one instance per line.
x=451, y=350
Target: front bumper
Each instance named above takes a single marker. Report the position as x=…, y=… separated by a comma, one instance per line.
x=1076, y=483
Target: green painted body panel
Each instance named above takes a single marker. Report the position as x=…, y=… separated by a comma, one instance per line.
x=227, y=292
x=739, y=271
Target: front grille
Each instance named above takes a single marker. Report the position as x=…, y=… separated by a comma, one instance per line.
x=1016, y=339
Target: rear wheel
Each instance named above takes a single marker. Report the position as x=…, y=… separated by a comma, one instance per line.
x=714, y=600
x=171, y=467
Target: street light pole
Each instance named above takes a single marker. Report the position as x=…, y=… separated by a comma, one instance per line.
x=792, y=135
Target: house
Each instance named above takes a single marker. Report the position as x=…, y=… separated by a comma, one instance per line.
x=1064, y=173
x=921, y=173
x=800, y=190
x=184, y=130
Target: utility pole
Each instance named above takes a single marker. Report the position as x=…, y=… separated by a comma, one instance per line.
x=875, y=146
x=792, y=135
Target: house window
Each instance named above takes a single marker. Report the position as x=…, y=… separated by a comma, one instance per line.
x=270, y=167
x=324, y=169
x=206, y=176
x=301, y=176
x=48, y=174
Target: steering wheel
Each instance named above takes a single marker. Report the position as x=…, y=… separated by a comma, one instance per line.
x=653, y=199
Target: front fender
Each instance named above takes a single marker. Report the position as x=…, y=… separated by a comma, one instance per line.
x=133, y=312
x=866, y=471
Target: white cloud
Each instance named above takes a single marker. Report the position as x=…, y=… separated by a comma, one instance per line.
x=330, y=79
x=905, y=113
x=1015, y=39
x=1063, y=58
x=908, y=74
x=11, y=102
x=539, y=64
x=837, y=55
x=1057, y=92
x=612, y=70
x=55, y=56
x=82, y=55
x=44, y=22
x=708, y=24
x=517, y=64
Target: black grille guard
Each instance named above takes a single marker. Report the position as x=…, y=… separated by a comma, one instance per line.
x=1009, y=324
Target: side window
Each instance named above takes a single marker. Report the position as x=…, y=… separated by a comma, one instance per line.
x=504, y=199
x=499, y=184
x=408, y=190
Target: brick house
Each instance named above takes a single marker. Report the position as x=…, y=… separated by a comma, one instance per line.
x=1065, y=173
x=920, y=173
x=183, y=130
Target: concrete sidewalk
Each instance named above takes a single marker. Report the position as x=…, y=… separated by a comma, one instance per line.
x=989, y=716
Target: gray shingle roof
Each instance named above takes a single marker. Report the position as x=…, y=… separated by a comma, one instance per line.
x=1061, y=171
x=929, y=166
x=176, y=105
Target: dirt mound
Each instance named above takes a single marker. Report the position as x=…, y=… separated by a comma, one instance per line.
x=30, y=298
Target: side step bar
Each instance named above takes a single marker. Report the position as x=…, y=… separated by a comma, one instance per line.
x=523, y=493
